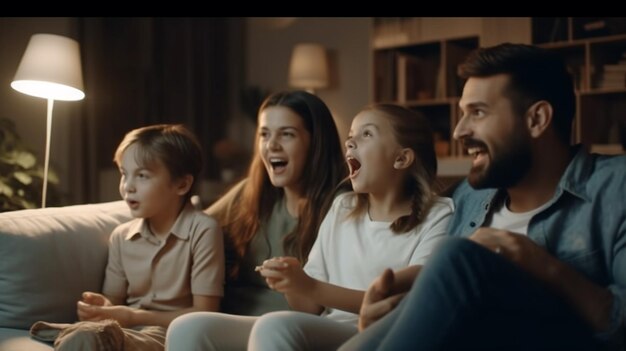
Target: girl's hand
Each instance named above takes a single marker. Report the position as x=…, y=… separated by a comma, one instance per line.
x=285, y=275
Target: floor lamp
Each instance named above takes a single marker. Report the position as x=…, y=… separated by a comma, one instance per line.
x=50, y=69
x=308, y=68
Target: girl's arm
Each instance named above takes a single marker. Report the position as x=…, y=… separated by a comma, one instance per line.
x=285, y=275
x=333, y=296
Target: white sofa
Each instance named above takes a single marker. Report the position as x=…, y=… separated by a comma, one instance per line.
x=47, y=258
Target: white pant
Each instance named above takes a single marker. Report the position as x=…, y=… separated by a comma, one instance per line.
x=200, y=331
x=283, y=330
x=289, y=330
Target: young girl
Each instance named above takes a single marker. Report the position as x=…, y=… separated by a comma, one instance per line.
x=392, y=219
x=166, y=262
x=275, y=211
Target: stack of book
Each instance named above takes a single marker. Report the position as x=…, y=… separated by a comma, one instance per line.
x=614, y=75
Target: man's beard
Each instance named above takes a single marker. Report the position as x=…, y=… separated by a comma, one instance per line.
x=506, y=168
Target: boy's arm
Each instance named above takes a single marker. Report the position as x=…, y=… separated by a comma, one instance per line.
x=129, y=317
x=163, y=319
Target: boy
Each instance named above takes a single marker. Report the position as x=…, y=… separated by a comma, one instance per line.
x=167, y=261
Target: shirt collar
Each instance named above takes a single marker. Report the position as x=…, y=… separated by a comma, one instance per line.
x=181, y=228
x=577, y=174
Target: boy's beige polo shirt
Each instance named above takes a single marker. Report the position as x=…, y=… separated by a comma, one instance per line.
x=165, y=274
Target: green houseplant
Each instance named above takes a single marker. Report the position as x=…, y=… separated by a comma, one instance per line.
x=21, y=177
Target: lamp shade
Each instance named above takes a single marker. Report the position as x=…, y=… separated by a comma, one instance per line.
x=50, y=69
x=309, y=67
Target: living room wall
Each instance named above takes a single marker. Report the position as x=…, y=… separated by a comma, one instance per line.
x=258, y=51
x=268, y=52
x=137, y=71
x=29, y=113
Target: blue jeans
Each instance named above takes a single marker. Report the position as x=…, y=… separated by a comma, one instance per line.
x=468, y=298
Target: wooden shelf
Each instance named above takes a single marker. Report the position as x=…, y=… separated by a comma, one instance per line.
x=603, y=91
x=431, y=102
x=423, y=76
x=598, y=65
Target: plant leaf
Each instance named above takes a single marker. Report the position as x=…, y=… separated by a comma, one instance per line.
x=25, y=159
x=23, y=178
x=6, y=189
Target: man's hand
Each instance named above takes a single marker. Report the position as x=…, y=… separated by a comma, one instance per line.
x=518, y=248
x=593, y=302
x=378, y=299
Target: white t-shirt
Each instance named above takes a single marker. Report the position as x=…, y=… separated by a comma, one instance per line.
x=516, y=222
x=352, y=252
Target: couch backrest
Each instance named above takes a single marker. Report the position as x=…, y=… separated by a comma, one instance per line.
x=48, y=257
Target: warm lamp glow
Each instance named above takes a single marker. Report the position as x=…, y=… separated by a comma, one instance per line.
x=50, y=69
x=44, y=89
x=309, y=67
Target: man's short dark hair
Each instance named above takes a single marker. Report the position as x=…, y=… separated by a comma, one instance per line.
x=535, y=74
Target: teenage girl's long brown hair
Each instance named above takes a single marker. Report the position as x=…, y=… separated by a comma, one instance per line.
x=324, y=170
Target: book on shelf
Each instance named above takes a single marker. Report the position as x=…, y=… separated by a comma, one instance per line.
x=407, y=68
x=620, y=67
x=613, y=76
x=607, y=149
x=384, y=79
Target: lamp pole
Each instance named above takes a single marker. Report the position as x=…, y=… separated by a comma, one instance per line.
x=47, y=157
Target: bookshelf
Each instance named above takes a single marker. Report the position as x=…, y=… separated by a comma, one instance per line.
x=422, y=76
x=595, y=52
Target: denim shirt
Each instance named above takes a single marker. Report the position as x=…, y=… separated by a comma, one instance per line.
x=584, y=225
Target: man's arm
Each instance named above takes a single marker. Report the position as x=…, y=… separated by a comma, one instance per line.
x=385, y=293
x=591, y=301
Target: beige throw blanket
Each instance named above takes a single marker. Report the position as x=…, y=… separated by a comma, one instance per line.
x=106, y=335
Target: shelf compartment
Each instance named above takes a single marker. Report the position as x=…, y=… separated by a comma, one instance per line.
x=604, y=122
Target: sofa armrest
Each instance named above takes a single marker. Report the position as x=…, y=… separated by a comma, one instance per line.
x=50, y=256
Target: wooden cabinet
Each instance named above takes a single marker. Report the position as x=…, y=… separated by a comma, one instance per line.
x=595, y=52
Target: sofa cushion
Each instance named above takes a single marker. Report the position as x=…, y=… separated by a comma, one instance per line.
x=50, y=256
x=20, y=340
